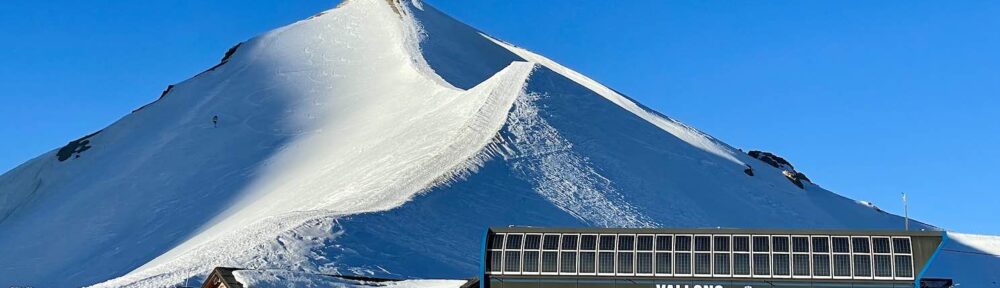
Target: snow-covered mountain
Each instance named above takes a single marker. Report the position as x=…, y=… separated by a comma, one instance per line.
x=377, y=138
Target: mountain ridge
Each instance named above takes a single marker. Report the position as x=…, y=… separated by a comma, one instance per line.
x=337, y=132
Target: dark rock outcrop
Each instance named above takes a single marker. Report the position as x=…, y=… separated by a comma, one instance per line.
x=225, y=58
x=786, y=167
x=748, y=171
x=75, y=147
x=771, y=159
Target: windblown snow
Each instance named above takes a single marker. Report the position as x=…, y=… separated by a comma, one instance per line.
x=378, y=138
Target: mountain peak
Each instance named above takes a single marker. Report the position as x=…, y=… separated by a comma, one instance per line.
x=380, y=138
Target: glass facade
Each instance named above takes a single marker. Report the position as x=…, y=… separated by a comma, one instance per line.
x=702, y=255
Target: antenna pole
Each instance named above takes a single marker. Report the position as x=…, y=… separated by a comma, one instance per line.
x=906, y=213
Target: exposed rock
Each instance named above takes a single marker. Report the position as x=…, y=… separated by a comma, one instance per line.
x=75, y=147
x=870, y=205
x=225, y=58
x=749, y=170
x=786, y=168
x=162, y=94
x=165, y=91
x=771, y=159
x=791, y=177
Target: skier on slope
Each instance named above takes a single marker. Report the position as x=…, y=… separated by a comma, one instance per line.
x=215, y=121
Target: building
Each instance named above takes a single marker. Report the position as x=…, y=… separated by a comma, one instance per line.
x=520, y=257
x=222, y=277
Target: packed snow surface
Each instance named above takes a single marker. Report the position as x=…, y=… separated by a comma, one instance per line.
x=971, y=260
x=379, y=138
x=280, y=278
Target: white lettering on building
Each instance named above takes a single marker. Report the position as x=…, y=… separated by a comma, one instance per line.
x=689, y=286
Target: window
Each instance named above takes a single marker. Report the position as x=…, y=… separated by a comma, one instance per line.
x=514, y=241
x=644, y=254
x=860, y=245
x=801, y=266
x=644, y=263
x=882, y=250
x=551, y=242
x=841, y=257
x=781, y=265
x=760, y=244
x=901, y=245
x=761, y=258
x=664, y=264
x=606, y=262
x=625, y=263
x=530, y=261
x=532, y=242
x=588, y=256
x=741, y=255
x=800, y=244
x=821, y=256
x=703, y=243
x=644, y=243
x=903, y=258
x=841, y=265
x=780, y=244
x=496, y=253
x=626, y=242
x=682, y=256
x=741, y=243
x=861, y=248
x=567, y=258
x=512, y=253
x=550, y=253
x=782, y=260
x=664, y=259
x=703, y=255
x=606, y=255
x=664, y=243
x=880, y=245
x=626, y=246
x=703, y=263
x=820, y=244
x=862, y=266
x=683, y=243
x=904, y=266
x=497, y=242
x=883, y=266
x=721, y=248
x=588, y=242
x=821, y=265
x=607, y=242
x=512, y=261
x=682, y=265
x=721, y=243
x=841, y=245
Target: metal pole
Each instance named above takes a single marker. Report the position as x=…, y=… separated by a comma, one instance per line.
x=906, y=213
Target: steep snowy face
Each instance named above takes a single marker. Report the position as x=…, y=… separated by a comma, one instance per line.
x=378, y=138
x=339, y=113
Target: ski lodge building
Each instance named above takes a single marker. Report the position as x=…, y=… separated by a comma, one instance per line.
x=526, y=257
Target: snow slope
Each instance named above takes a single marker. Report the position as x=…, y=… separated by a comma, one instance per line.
x=278, y=278
x=378, y=138
x=972, y=260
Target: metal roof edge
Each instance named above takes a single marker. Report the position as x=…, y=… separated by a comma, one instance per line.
x=717, y=230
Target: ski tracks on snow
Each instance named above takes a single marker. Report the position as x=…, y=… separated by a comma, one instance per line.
x=539, y=154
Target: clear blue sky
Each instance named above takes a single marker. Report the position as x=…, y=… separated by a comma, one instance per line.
x=869, y=98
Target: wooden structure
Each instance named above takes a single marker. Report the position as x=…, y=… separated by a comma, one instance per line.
x=222, y=277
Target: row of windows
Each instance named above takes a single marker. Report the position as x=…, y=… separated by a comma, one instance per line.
x=718, y=243
x=777, y=256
